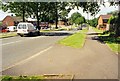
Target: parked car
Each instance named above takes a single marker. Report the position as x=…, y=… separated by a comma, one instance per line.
x=44, y=25
x=11, y=28
x=25, y=28
x=79, y=28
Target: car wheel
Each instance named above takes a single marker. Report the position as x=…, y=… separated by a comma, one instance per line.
x=21, y=35
x=38, y=33
x=30, y=33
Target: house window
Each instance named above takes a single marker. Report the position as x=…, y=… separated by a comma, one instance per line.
x=105, y=20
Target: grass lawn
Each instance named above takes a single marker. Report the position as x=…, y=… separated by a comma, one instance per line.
x=112, y=42
x=76, y=40
x=114, y=47
x=97, y=30
x=10, y=34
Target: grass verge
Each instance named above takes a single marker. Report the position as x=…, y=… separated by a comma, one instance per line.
x=76, y=40
x=22, y=78
x=112, y=42
x=6, y=35
x=97, y=30
x=44, y=77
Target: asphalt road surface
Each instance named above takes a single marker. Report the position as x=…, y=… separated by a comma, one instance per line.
x=16, y=49
x=94, y=61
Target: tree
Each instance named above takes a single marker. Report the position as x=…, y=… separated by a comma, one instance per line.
x=74, y=16
x=80, y=20
x=113, y=13
x=58, y=7
x=93, y=22
x=19, y=8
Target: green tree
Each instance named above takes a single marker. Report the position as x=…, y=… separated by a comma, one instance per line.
x=113, y=13
x=74, y=16
x=19, y=8
x=80, y=20
x=93, y=22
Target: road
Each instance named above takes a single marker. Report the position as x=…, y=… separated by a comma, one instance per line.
x=16, y=49
x=94, y=61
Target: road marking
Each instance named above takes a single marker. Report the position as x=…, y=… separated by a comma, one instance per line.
x=36, y=37
x=7, y=38
x=21, y=40
x=10, y=43
x=28, y=59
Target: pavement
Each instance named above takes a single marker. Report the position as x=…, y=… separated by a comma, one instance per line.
x=94, y=61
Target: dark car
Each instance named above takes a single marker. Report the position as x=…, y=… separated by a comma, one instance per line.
x=79, y=28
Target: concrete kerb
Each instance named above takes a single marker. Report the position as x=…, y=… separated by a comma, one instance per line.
x=65, y=76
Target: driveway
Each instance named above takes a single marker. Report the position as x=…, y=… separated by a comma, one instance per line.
x=94, y=61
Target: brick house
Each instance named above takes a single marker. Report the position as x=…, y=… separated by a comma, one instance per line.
x=102, y=22
x=11, y=20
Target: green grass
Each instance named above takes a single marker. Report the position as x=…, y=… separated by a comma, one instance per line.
x=6, y=35
x=21, y=78
x=112, y=42
x=97, y=30
x=114, y=47
x=76, y=40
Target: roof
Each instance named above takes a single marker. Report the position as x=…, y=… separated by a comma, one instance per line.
x=31, y=19
x=14, y=18
x=105, y=16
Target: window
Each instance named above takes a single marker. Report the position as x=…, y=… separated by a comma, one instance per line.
x=105, y=20
x=22, y=26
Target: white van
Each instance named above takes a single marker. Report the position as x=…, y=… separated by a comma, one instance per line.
x=25, y=28
x=11, y=28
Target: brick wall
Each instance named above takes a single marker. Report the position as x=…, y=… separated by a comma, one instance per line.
x=8, y=21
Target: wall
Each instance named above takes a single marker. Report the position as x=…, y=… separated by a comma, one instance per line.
x=100, y=21
x=8, y=21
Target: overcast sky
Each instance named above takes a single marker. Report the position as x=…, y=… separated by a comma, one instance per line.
x=104, y=10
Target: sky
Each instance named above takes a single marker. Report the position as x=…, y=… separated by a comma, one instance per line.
x=104, y=10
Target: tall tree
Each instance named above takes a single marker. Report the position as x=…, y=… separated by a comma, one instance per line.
x=19, y=8
x=57, y=8
x=77, y=18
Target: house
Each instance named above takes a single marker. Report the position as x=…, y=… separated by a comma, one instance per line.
x=11, y=20
x=102, y=22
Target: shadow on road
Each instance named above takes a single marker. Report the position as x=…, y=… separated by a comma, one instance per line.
x=55, y=34
x=108, y=39
x=93, y=33
x=51, y=34
x=98, y=39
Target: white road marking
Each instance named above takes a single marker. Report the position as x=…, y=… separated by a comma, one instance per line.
x=36, y=37
x=21, y=40
x=11, y=43
x=29, y=58
x=7, y=38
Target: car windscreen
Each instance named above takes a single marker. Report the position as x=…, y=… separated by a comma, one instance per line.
x=22, y=26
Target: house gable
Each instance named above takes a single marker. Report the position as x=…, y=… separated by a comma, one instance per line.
x=8, y=20
x=100, y=21
x=11, y=20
